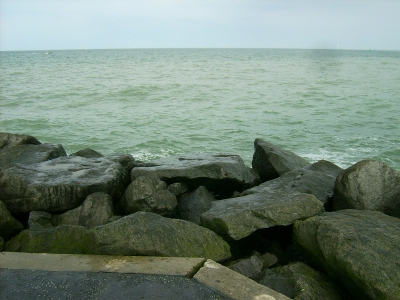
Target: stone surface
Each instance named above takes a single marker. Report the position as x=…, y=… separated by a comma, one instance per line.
x=96, y=210
x=370, y=185
x=147, y=194
x=39, y=220
x=270, y=161
x=9, y=226
x=60, y=184
x=277, y=283
x=239, y=217
x=178, y=188
x=10, y=140
x=149, y=234
x=87, y=153
x=193, y=205
x=358, y=248
x=317, y=179
x=29, y=154
x=221, y=174
x=251, y=267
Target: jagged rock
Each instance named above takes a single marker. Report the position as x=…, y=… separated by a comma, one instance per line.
x=239, y=217
x=369, y=185
x=358, y=248
x=270, y=161
x=39, y=220
x=178, y=188
x=251, y=267
x=60, y=184
x=148, y=194
x=149, y=234
x=87, y=153
x=221, y=174
x=127, y=162
x=268, y=259
x=29, y=154
x=9, y=226
x=61, y=239
x=10, y=140
x=277, y=283
x=317, y=179
x=310, y=284
x=96, y=210
x=192, y=206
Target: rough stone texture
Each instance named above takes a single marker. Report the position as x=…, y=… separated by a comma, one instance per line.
x=270, y=161
x=127, y=162
x=148, y=194
x=60, y=184
x=239, y=217
x=11, y=140
x=39, y=220
x=317, y=179
x=87, y=153
x=9, y=226
x=29, y=154
x=369, y=185
x=221, y=174
x=358, y=248
x=149, y=234
x=192, y=206
x=268, y=259
x=310, y=284
x=251, y=267
x=96, y=210
x=61, y=239
x=277, y=283
x=178, y=188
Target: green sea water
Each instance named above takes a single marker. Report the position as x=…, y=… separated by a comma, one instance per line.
x=337, y=105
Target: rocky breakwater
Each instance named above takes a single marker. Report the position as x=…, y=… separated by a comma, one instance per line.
x=306, y=230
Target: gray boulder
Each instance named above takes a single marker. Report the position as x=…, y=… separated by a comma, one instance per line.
x=87, y=153
x=370, y=185
x=60, y=184
x=271, y=161
x=178, y=188
x=96, y=210
x=148, y=194
x=9, y=226
x=39, y=220
x=241, y=216
x=221, y=174
x=149, y=234
x=127, y=162
x=10, y=140
x=358, y=248
x=278, y=283
x=251, y=267
x=193, y=205
x=317, y=179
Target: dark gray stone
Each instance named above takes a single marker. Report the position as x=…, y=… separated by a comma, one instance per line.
x=370, y=185
x=87, y=153
x=271, y=161
x=9, y=226
x=277, y=283
x=178, y=188
x=193, y=205
x=8, y=140
x=358, y=248
x=39, y=220
x=251, y=267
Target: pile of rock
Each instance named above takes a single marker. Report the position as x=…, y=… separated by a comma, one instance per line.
x=309, y=231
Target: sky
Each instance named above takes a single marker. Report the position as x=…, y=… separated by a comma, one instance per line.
x=103, y=24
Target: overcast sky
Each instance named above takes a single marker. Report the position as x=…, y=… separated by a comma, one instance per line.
x=79, y=24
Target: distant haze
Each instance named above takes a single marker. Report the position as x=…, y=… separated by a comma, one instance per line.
x=100, y=24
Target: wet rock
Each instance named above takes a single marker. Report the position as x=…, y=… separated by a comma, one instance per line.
x=239, y=217
x=60, y=184
x=221, y=174
x=9, y=226
x=358, y=248
x=127, y=162
x=39, y=220
x=149, y=234
x=370, y=185
x=96, y=210
x=193, y=205
x=87, y=153
x=148, y=194
x=8, y=140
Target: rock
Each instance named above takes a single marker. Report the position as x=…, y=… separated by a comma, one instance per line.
x=277, y=283
x=149, y=234
x=239, y=217
x=39, y=220
x=310, y=284
x=358, y=248
x=317, y=179
x=29, y=154
x=1, y=244
x=87, y=153
x=9, y=226
x=369, y=185
x=127, y=162
x=192, y=206
x=61, y=239
x=178, y=188
x=268, y=259
x=221, y=174
x=270, y=161
x=148, y=194
x=251, y=267
x=60, y=184
x=8, y=140
x=96, y=210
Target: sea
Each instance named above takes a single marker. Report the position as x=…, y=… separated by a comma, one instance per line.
x=338, y=105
